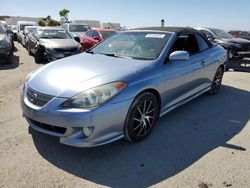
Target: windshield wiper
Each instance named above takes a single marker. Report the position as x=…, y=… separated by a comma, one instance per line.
x=89, y=51
x=115, y=55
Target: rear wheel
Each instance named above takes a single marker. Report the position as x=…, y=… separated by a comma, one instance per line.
x=141, y=117
x=216, y=84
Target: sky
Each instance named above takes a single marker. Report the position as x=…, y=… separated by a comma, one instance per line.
x=224, y=14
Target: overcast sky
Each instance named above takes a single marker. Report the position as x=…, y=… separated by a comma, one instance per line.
x=225, y=14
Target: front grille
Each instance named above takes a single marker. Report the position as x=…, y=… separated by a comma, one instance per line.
x=56, y=129
x=36, y=98
x=65, y=49
x=245, y=47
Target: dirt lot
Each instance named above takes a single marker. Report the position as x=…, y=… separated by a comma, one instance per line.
x=205, y=143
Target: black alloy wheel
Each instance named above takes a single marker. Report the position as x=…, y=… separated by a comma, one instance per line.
x=141, y=117
x=216, y=84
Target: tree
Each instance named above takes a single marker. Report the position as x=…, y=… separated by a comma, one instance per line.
x=53, y=23
x=41, y=22
x=64, y=15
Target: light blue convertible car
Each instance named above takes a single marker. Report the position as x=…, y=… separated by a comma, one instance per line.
x=122, y=86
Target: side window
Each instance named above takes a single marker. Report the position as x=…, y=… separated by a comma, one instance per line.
x=95, y=34
x=89, y=33
x=186, y=43
x=207, y=33
x=201, y=43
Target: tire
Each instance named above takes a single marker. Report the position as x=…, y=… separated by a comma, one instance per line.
x=216, y=84
x=39, y=56
x=28, y=48
x=230, y=54
x=141, y=117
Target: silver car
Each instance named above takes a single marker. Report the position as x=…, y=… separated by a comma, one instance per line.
x=121, y=86
x=51, y=43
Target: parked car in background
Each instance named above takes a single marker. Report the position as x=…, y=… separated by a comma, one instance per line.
x=236, y=47
x=51, y=43
x=94, y=36
x=76, y=30
x=241, y=34
x=121, y=86
x=6, y=44
x=20, y=29
x=14, y=32
x=27, y=31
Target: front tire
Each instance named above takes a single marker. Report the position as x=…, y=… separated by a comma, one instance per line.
x=39, y=56
x=216, y=84
x=141, y=117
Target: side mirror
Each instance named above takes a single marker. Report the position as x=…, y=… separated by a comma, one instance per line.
x=96, y=38
x=179, y=56
x=210, y=38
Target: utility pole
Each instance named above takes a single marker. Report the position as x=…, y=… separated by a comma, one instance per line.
x=162, y=23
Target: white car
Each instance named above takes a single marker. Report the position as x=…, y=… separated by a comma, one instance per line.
x=20, y=30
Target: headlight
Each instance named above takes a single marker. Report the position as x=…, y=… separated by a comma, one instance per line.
x=79, y=47
x=95, y=96
x=28, y=77
x=236, y=45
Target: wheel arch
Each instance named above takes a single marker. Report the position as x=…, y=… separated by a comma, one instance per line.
x=154, y=92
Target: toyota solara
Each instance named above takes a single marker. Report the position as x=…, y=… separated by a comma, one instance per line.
x=119, y=88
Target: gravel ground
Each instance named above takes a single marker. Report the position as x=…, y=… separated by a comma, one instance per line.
x=205, y=143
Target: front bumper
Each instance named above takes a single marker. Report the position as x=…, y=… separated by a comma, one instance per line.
x=53, y=55
x=107, y=120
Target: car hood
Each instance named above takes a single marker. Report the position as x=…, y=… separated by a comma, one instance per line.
x=69, y=76
x=59, y=43
x=2, y=37
x=237, y=40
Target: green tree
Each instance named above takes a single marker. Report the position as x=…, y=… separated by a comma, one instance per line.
x=64, y=15
x=53, y=23
x=41, y=22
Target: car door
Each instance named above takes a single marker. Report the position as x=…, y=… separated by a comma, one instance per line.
x=183, y=78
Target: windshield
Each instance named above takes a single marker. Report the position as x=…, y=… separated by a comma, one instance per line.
x=134, y=45
x=221, y=34
x=53, y=34
x=22, y=26
x=106, y=34
x=78, y=28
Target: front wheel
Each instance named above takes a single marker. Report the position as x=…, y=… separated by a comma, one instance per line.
x=39, y=56
x=141, y=117
x=216, y=84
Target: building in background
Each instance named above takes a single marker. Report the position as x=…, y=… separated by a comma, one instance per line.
x=109, y=25
x=12, y=20
x=91, y=23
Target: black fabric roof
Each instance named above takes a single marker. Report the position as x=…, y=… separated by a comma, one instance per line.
x=178, y=31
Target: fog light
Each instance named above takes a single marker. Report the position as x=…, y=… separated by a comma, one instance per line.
x=87, y=131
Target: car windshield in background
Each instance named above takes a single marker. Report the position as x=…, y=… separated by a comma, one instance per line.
x=221, y=34
x=78, y=28
x=106, y=34
x=134, y=45
x=2, y=30
x=53, y=34
x=22, y=27
x=30, y=30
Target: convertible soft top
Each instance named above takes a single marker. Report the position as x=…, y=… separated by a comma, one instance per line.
x=178, y=31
